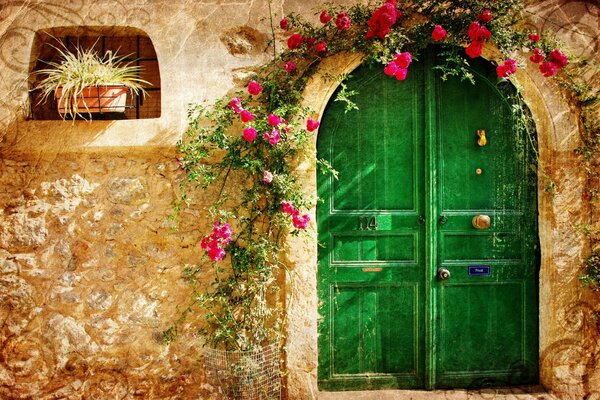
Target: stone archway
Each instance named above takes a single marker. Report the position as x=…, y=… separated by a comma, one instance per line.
x=565, y=366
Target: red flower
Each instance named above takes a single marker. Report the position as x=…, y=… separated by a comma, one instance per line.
x=246, y=116
x=342, y=21
x=401, y=74
x=321, y=47
x=382, y=20
x=295, y=41
x=284, y=24
x=391, y=69
x=558, y=58
x=324, y=17
x=249, y=134
x=289, y=67
x=403, y=59
x=548, y=69
x=474, y=49
x=254, y=88
x=300, y=222
x=534, y=37
x=537, y=56
x=438, y=33
x=310, y=41
x=485, y=16
x=507, y=68
x=478, y=33
x=287, y=207
x=311, y=124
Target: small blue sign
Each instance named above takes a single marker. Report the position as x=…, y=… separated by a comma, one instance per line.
x=480, y=270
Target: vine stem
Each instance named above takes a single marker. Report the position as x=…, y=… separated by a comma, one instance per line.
x=272, y=30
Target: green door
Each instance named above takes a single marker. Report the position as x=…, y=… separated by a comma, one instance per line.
x=412, y=178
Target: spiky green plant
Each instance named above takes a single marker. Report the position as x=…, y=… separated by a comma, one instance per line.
x=81, y=69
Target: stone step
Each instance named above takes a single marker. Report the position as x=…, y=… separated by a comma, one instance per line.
x=513, y=393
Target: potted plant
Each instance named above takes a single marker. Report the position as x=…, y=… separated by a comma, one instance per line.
x=83, y=82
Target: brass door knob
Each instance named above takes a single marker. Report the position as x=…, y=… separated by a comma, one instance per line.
x=481, y=221
x=443, y=274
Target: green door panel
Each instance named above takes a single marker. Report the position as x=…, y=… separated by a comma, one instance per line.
x=411, y=179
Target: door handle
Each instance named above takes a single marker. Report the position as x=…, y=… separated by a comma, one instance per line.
x=443, y=219
x=481, y=221
x=443, y=274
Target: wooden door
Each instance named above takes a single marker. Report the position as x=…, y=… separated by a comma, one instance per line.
x=411, y=179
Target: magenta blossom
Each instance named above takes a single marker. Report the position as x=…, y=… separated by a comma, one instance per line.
x=300, y=222
x=507, y=68
x=558, y=58
x=273, y=120
x=311, y=124
x=236, y=105
x=537, y=56
x=390, y=69
x=267, y=177
x=474, y=49
x=401, y=74
x=438, y=33
x=254, y=88
x=534, y=37
x=287, y=207
x=249, y=134
x=272, y=137
x=289, y=66
x=403, y=60
x=324, y=17
x=548, y=69
x=342, y=21
x=214, y=243
x=246, y=116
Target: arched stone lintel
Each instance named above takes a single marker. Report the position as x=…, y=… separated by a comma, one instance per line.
x=555, y=124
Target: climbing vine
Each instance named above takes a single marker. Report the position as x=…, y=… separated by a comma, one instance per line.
x=245, y=145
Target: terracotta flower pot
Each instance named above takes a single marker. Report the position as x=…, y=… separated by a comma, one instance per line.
x=95, y=99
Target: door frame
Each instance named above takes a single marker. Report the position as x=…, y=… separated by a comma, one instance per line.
x=301, y=299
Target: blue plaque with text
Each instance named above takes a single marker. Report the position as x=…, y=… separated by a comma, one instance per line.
x=480, y=270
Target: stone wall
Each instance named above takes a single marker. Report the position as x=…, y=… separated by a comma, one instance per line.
x=90, y=269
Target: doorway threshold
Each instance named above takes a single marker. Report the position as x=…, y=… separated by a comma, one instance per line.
x=511, y=393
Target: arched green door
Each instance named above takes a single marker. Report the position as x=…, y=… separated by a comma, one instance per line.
x=412, y=177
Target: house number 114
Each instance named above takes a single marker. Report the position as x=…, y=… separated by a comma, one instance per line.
x=367, y=223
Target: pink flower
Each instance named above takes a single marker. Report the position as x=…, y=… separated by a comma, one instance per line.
x=382, y=20
x=534, y=37
x=403, y=59
x=267, y=177
x=289, y=66
x=216, y=241
x=273, y=120
x=295, y=41
x=474, y=49
x=287, y=207
x=321, y=47
x=438, y=33
x=311, y=124
x=507, y=68
x=254, y=88
x=246, y=116
x=284, y=24
x=401, y=74
x=236, y=105
x=548, y=69
x=273, y=137
x=537, y=56
x=485, y=16
x=342, y=21
x=300, y=222
x=249, y=134
x=324, y=17
x=390, y=69
x=558, y=58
